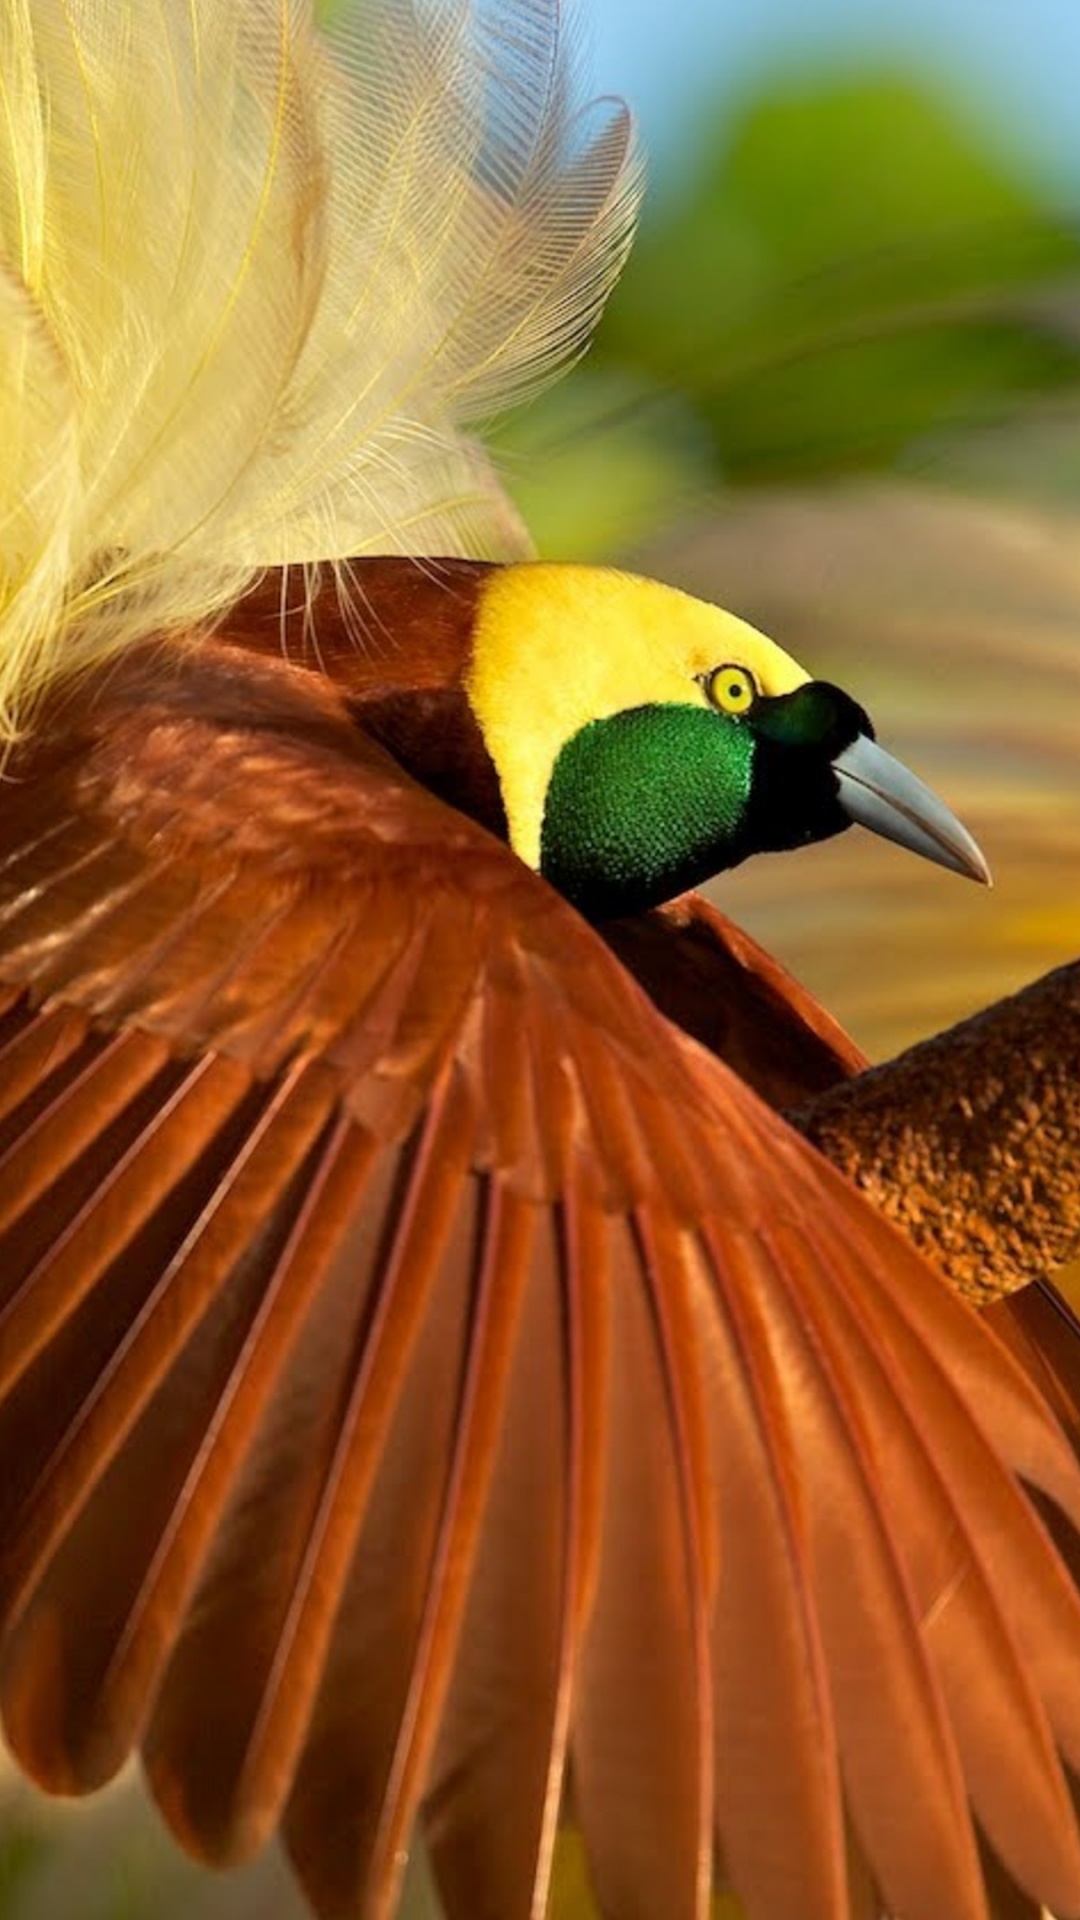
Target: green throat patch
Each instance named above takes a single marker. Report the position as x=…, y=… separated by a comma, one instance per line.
x=644, y=804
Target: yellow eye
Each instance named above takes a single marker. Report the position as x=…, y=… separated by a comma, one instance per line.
x=732, y=689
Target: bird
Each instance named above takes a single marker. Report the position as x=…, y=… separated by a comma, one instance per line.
x=441, y=1396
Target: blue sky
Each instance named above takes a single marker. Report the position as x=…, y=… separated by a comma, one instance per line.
x=1018, y=59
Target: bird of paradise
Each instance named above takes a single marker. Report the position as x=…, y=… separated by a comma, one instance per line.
x=437, y=1391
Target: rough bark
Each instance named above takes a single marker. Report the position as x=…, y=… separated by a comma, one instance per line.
x=971, y=1141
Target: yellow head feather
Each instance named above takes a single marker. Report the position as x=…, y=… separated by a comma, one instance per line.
x=555, y=647
x=254, y=281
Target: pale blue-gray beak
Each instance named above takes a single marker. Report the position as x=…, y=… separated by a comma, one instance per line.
x=879, y=792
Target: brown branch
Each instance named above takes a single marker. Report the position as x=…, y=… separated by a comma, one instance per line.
x=971, y=1141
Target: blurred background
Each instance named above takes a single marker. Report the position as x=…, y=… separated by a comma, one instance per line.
x=838, y=391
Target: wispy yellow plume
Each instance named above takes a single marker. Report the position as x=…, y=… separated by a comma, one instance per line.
x=257, y=280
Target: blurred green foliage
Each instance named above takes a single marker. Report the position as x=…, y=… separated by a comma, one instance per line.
x=24, y=1846
x=850, y=268
x=847, y=270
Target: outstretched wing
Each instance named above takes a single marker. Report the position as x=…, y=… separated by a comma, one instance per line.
x=716, y=983
x=426, y=1376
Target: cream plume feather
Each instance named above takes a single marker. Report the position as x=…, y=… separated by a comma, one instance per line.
x=257, y=279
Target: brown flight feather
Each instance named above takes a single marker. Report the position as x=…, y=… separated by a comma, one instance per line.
x=427, y=1369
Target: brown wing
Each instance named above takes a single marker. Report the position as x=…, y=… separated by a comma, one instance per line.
x=1043, y=1331
x=721, y=987
x=425, y=1374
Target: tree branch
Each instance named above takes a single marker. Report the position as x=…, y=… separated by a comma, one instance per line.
x=971, y=1141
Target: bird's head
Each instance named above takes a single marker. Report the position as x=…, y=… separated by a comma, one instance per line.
x=644, y=740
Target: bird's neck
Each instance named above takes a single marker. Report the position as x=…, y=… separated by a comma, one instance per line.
x=644, y=804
